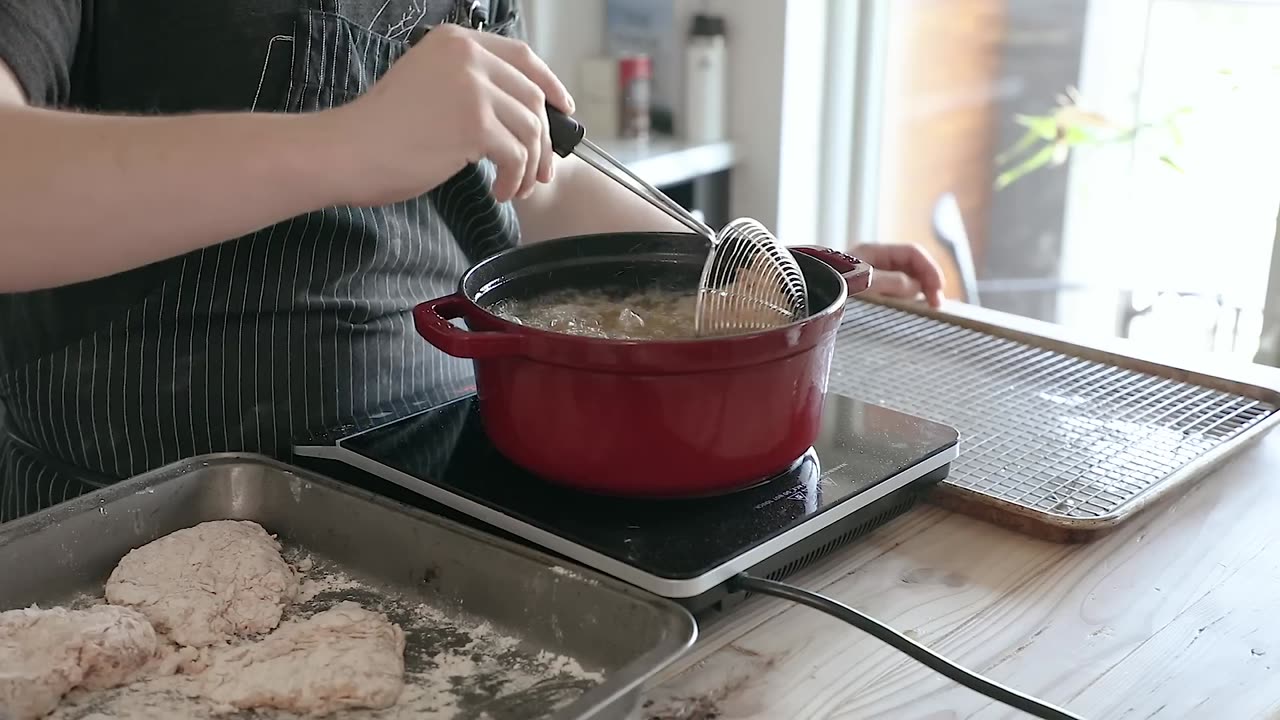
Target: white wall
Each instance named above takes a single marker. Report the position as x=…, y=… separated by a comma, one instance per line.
x=761, y=34
x=564, y=32
x=757, y=35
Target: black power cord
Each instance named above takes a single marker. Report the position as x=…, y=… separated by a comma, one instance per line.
x=905, y=645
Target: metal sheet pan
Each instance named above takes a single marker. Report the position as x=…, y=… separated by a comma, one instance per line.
x=400, y=556
x=1062, y=439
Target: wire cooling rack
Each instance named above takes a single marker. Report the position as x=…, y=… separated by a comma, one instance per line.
x=1053, y=443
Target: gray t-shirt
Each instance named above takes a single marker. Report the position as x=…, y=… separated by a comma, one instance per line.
x=279, y=337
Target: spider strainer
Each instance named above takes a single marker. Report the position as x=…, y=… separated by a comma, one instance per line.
x=749, y=281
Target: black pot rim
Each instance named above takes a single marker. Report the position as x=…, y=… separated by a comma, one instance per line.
x=836, y=305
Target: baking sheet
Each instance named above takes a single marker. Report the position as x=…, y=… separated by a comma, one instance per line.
x=493, y=630
x=1059, y=440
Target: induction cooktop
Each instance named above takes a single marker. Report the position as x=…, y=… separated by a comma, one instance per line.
x=868, y=465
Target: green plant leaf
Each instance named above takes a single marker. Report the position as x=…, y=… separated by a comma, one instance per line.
x=1045, y=126
x=1169, y=161
x=1031, y=164
x=1026, y=141
x=1078, y=135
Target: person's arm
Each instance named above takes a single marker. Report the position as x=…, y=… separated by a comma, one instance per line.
x=84, y=195
x=580, y=200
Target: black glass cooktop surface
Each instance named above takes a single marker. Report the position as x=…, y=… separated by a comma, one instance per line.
x=861, y=447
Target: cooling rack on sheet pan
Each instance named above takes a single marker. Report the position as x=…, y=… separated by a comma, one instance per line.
x=1059, y=441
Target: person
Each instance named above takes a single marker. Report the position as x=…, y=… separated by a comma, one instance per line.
x=217, y=217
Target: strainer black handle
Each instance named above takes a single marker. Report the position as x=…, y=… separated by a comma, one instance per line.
x=566, y=132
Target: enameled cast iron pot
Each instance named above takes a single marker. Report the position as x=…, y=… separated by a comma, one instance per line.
x=642, y=418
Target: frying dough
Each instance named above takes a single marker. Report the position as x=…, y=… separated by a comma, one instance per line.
x=205, y=584
x=44, y=654
x=341, y=659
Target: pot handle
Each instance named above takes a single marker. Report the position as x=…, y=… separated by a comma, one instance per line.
x=432, y=317
x=857, y=274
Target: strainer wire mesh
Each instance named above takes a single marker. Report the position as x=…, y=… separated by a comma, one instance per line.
x=749, y=281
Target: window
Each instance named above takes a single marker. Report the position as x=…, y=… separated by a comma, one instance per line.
x=1147, y=206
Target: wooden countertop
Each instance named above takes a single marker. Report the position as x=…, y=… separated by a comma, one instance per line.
x=1172, y=615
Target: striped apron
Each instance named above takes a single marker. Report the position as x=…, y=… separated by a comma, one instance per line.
x=290, y=335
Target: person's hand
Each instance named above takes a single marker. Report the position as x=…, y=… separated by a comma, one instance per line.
x=902, y=271
x=457, y=96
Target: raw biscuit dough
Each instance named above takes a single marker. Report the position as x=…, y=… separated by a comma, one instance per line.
x=205, y=584
x=341, y=659
x=44, y=654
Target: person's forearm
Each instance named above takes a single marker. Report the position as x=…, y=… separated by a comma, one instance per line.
x=581, y=200
x=85, y=196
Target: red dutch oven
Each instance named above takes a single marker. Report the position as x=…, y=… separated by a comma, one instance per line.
x=642, y=418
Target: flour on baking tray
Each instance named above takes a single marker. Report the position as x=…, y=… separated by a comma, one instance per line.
x=453, y=668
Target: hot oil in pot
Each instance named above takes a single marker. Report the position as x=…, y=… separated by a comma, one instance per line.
x=650, y=314
x=752, y=300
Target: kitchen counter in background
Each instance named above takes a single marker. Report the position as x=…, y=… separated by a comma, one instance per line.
x=1170, y=616
x=663, y=160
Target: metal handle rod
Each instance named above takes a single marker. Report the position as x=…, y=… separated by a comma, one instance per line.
x=654, y=196
x=568, y=136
